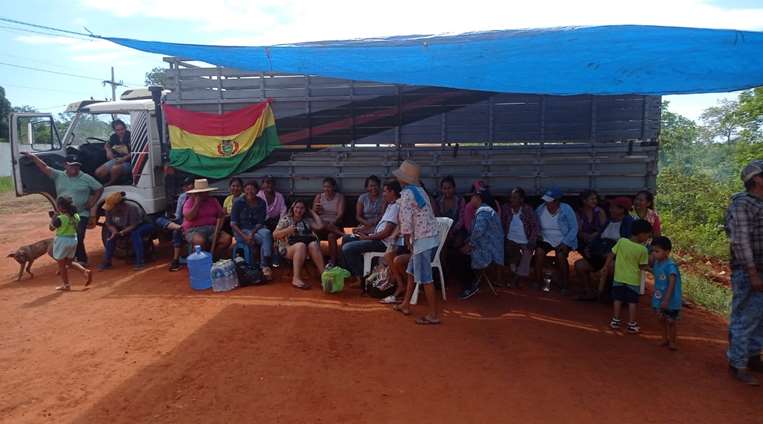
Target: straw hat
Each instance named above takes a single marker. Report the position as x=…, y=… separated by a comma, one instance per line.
x=408, y=172
x=113, y=200
x=201, y=186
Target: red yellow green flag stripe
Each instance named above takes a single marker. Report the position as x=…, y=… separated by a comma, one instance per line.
x=217, y=146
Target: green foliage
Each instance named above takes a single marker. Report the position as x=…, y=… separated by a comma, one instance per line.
x=5, y=110
x=156, y=76
x=6, y=184
x=706, y=293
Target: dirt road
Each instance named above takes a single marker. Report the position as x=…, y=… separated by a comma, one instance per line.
x=143, y=347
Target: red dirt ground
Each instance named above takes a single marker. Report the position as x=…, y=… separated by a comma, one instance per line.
x=143, y=347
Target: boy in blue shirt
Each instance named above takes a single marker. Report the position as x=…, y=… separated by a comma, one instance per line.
x=667, y=290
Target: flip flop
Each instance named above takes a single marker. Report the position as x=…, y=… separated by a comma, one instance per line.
x=427, y=321
x=399, y=308
x=89, y=275
x=301, y=285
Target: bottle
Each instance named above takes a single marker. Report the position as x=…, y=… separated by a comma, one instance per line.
x=547, y=281
x=199, y=269
x=224, y=276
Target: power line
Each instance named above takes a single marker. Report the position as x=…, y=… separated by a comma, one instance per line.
x=49, y=28
x=50, y=34
x=31, y=68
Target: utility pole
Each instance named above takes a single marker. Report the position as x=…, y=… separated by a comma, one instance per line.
x=114, y=84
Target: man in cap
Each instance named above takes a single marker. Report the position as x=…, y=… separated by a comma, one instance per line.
x=744, y=225
x=558, y=232
x=124, y=220
x=83, y=189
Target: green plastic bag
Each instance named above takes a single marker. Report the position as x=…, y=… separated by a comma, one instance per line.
x=332, y=279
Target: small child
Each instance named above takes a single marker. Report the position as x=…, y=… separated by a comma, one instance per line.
x=667, y=290
x=65, y=242
x=630, y=257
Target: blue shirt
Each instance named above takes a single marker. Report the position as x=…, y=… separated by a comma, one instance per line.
x=246, y=216
x=662, y=272
x=179, y=207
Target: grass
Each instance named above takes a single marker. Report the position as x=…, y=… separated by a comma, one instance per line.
x=6, y=184
x=706, y=293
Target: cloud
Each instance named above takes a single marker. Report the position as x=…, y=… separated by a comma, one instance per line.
x=271, y=22
x=84, y=50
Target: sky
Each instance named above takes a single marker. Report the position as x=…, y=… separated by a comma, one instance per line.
x=265, y=22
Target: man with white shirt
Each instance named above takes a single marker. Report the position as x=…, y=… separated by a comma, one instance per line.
x=558, y=232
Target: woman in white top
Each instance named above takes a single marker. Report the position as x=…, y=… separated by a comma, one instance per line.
x=383, y=236
x=329, y=205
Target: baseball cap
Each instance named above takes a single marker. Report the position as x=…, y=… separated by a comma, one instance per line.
x=552, y=194
x=71, y=160
x=751, y=170
x=187, y=181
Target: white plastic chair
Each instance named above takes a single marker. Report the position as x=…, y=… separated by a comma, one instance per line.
x=368, y=258
x=443, y=226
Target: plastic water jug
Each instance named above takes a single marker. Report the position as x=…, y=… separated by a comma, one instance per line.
x=199, y=269
x=224, y=277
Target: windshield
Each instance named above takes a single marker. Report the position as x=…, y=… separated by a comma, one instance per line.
x=93, y=128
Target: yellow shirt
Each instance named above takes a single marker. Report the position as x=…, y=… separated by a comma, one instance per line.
x=228, y=203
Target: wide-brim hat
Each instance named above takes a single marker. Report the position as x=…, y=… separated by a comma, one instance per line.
x=408, y=172
x=201, y=186
x=113, y=200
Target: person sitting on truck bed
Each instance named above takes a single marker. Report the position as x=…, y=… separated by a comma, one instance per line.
x=117, y=153
x=370, y=206
x=329, y=205
x=84, y=191
x=248, y=224
x=558, y=232
x=274, y=200
x=203, y=217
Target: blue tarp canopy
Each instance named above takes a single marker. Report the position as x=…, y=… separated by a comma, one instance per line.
x=624, y=59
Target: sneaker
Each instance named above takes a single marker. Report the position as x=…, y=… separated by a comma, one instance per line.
x=65, y=287
x=744, y=375
x=267, y=273
x=138, y=267
x=614, y=324
x=471, y=291
x=174, y=265
x=104, y=266
x=633, y=327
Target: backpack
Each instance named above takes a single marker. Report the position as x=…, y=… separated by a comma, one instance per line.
x=247, y=275
x=378, y=284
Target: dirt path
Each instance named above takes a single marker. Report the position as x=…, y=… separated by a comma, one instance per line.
x=143, y=347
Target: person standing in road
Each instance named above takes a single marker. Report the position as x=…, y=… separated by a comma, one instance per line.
x=84, y=191
x=744, y=225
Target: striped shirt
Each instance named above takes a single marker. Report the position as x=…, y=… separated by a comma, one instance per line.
x=744, y=226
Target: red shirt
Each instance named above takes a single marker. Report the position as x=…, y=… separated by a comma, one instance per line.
x=207, y=214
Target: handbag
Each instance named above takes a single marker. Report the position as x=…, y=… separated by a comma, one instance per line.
x=378, y=284
x=248, y=275
x=307, y=239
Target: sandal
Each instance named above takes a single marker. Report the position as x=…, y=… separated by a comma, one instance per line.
x=427, y=321
x=401, y=309
x=89, y=277
x=390, y=300
x=65, y=287
x=300, y=285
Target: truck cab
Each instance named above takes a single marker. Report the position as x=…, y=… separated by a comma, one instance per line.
x=84, y=138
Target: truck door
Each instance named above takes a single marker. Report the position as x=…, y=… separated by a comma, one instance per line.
x=36, y=133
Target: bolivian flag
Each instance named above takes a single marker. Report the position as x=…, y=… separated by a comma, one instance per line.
x=217, y=146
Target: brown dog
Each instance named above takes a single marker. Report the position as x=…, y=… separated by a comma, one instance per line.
x=26, y=255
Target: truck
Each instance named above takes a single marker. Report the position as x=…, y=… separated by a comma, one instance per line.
x=350, y=129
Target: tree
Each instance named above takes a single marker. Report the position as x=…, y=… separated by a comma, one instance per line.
x=721, y=123
x=5, y=110
x=156, y=76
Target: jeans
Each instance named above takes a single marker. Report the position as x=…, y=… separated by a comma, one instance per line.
x=81, y=255
x=264, y=238
x=353, y=250
x=746, y=321
x=136, y=237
